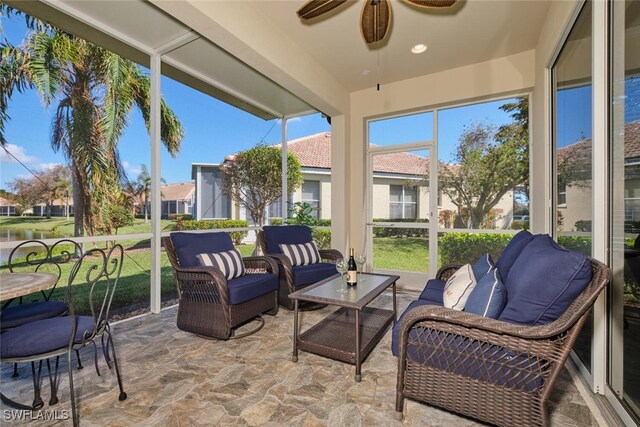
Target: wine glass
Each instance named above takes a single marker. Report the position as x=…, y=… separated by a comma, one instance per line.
x=342, y=267
x=360, y=260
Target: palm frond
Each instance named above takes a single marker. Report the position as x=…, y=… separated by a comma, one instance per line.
x=14, y=75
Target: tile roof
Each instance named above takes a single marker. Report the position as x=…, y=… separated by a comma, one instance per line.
x=6, y=202
x=314, y=151
x=177, y=191
x=582, y=148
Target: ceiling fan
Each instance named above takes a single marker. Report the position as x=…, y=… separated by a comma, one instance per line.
x=375, y=16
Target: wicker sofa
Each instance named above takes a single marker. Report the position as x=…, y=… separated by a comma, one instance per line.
x=496, y=371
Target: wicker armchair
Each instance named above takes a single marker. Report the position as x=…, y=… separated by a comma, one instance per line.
x=501, y=373
x=205, y=305
x=289, y=283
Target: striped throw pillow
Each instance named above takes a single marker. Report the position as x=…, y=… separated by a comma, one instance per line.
x=302, y=254
x=229, y=262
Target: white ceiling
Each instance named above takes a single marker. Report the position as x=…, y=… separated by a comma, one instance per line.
x=470, y=32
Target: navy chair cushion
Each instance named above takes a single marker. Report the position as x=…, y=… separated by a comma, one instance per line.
x=395, y=332
x=17, y=315
x=276, y=235
x=482, y=267
x=251, y=286
x=312, y=273
x=545, y=279
x=489, y=296
x=432, y=292
x=511, y=253
x=189, y=245
x=42, y=336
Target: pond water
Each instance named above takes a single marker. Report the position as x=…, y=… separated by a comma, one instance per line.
x=7, y=235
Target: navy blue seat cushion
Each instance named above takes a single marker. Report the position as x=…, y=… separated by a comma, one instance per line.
x=545, y=279
x=473, y=359
x=189, y=245
x=489, y=296
x=511, y=253
x=17, y=315
x=276, y=235
x=312, y=273
x=433, y=292
x=251, y=286
x=395, y=332
x=482, y=267
x=42, y=336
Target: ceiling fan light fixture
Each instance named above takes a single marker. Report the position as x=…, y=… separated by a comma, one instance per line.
x=419, y=48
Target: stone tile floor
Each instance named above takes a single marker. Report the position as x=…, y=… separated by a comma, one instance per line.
x=176, y=378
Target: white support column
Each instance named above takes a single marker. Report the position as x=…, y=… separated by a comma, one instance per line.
x=433, y=199
x=600, y=181
x=285, y=190
x=155, y=182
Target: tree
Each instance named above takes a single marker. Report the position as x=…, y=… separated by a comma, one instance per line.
x=488, y=164
x=45, y=186
x=253, y=178
x=143, y=184
x=94, y=91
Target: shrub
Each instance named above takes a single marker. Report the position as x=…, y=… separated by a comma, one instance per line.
x=178, y=217
x=518, y=224
x=583, y=225
x=322, y=237
x=468, y=247
x=207, y=224
x=580, y=244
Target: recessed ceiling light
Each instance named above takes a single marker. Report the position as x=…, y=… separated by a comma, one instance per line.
x=419, y=48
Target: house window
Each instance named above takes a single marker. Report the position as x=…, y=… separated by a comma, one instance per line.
x=403, y=202
x=562, y=195
x=311, y=195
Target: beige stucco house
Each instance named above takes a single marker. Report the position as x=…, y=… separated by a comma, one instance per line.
x=397, y=190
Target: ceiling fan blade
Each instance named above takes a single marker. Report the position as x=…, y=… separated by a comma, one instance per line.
x=374, y=20
x=314, y=8
x=432, y=3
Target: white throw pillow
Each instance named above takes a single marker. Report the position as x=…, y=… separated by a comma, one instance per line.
x=458, y=288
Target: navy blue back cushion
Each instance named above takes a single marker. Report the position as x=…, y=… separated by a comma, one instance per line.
x=545, y=279
x=189, y=245
x=275, y=235
x=511, y=253
x=482, y=267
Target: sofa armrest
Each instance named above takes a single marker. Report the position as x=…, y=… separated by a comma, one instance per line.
x=194, y=283
x=331, y=255
x=260, y=264
x=447, y=271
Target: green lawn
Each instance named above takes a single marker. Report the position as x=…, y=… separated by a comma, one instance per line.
x=401, y=253
x=392, y=253
x=64, y=227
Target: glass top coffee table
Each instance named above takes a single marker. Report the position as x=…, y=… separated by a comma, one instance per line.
x=351, y=332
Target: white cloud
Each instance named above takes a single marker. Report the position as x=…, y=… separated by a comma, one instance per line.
x=18, y=152
x=131, y=169
x=48, y=166
x=294, y=119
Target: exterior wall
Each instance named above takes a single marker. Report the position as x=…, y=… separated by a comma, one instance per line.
x=578, y=207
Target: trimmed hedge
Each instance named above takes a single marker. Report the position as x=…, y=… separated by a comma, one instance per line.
x=207, y=224
x=183, y=217
x=400, y=232
x=292, y=221
x=468, y=247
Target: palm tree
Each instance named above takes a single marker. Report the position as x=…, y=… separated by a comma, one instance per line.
x=94, y=91
x=143, y=183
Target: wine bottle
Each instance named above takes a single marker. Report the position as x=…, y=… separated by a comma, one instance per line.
x=352, y=270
